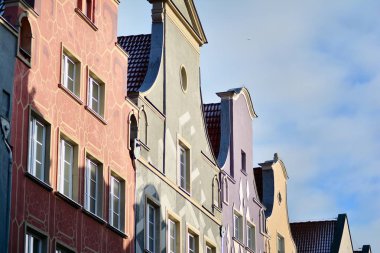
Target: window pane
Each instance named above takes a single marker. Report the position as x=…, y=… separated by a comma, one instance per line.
x=115, y=220
x=116, y=204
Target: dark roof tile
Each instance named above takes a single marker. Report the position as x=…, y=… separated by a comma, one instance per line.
x=313, y=236
x=138, y=49
x=212, y=118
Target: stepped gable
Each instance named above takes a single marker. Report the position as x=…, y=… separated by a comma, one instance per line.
x=138, y=49
x=314, y=236
x=212, y=118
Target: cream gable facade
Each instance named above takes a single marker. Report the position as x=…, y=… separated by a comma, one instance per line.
x=170, y=103
x=274, y=197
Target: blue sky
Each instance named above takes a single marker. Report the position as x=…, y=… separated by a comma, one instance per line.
x=313, y=70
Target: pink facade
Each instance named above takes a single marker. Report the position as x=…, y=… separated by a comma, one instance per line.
x=61, y=28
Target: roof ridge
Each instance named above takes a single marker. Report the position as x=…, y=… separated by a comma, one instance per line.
x=313, y=221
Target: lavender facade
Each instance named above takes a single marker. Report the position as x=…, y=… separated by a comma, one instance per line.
x=230, y=131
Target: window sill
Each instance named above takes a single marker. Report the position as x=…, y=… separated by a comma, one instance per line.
x=217, y=208
x=30, y=8
x=144, y=145
x=94, y=216
x=38, y=181
x=238, y=241
x=96, y=115
x=71, y=94
x=117, y=231
x=68, y=200
x=24, y=60
x=249, y=249
x=185, y=191
x=244, y=172
x=86, y=19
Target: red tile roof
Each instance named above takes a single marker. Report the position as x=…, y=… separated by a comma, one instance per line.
x=314, y=236
x=138, y=48
x=212, y=118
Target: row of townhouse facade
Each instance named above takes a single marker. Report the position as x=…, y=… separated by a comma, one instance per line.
x=108, y=146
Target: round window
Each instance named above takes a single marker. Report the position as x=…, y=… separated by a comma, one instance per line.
x=183, y=78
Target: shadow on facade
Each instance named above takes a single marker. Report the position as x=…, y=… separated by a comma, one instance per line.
x=149, y=215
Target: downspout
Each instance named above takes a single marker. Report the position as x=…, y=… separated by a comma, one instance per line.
x=164, y=88
x=5, y=129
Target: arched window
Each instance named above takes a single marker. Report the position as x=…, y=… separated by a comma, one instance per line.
x=225, y=190
x=143, y=127
x=215, y=192
x=133, y=129
x=25, y=46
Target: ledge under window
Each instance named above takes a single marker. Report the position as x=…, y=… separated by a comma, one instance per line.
x=244, y=172
x=249, y=249
x=96, y=115
x=38, y=181
x=238, y=241
x=94, y=216
x=184, y=190
x=86, y=19
x=117, y=231
x=67, y=91
x=68, y=200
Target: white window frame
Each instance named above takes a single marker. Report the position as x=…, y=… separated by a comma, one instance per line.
x=239, y=236
x=183, y=167
x=61, y=186
x=225, y=190
x=189, y=249
x=151, y=208
x=66, y=60
x=117, y=196
x=30, y=240
x=253, y=239
x=88, y=183
x=280, y=239
x=33, y=142
x=172, y=223
x=91, y=82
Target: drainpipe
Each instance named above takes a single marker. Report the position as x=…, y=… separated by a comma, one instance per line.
x=5, y=130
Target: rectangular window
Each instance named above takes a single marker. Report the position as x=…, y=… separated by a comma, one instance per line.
x=192, y=242
x=70, y=73
x=280, y=244
x=66, y=168
x=151, y=227
x=172, y=236
x=39, y=137
x=115, y=199
x=251, y=237
x=238, y=227
x=243, y=161
x=61, y=249
x=37, y=148
x=184, y=167
x=208, y=249
x=93, y=188
x=34, y=242
x=96, y=95
x=88, y=9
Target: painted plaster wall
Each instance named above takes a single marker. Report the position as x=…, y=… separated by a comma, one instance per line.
x=242, y=191
x=8, y=44
x=278, y=221
x=157, y=169
x=37, y=89
x=346, y=243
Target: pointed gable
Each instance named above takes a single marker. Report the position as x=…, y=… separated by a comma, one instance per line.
x=187, y=11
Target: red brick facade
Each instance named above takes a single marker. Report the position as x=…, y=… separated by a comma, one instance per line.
x=55, y=25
